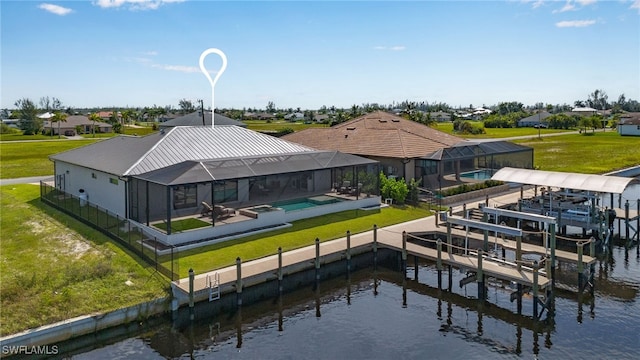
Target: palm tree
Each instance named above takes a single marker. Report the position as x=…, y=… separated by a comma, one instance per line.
x=58, y=117
x=94, y=117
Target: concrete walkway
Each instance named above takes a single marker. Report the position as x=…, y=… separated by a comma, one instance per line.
x=25, y=180
x=265, y=269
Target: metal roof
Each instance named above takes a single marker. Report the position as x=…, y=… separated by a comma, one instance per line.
x=190, y=172
x=574, y=181
x=127, y=155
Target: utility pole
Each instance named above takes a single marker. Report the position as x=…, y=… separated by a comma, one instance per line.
x=202, y=111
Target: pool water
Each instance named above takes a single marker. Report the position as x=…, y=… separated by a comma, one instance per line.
x=303, y=203
x=482, y=174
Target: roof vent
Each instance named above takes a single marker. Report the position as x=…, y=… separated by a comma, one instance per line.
x=351, y=128
x=395, y=120
x=382, y=120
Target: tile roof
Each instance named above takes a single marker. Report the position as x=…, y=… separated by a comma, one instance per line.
x=377, y=134
x=76, y=120
x=130, y=155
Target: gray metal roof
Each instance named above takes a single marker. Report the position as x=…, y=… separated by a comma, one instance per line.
x=195, y=119
x=127, y=155
x=190, y=172
x=574, y=181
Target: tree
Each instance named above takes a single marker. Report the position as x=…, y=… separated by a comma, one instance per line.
x=598, y=100
x=58, y=117
x=186, y=106
x=29, y=122
x=94, y=117
x=50, y=104
x=271, y=107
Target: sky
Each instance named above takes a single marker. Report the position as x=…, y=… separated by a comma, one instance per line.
x=136, y=53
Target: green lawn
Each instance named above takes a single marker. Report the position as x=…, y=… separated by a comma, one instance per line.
x=597, y=153
x=263, y=125
x=22, y=159
x=183, y=225
x=53, y=267
x=303, y=233
x=495, y=133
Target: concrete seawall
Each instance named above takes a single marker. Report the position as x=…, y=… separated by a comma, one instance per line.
x=83, y=325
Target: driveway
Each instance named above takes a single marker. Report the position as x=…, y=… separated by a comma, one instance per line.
x=25, y=180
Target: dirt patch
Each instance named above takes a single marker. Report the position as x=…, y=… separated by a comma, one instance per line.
x=36, y=227
x=73, y=245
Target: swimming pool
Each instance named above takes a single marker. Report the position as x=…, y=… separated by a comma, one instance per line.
x=481, y=174
x=303, y=203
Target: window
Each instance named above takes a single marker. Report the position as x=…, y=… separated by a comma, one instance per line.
x=185, y=196
x=225, y=191
x=114, y=181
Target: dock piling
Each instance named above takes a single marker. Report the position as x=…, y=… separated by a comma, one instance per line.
x=480, y=278
x=375, y=246
x=404, y=252
x=439, y=264
x=317, y=260
x=626, y=220
x=348, y=254
x=535, y=289
x=238, y=282
x=580, y=267
x=191, y=280
x=280, y=270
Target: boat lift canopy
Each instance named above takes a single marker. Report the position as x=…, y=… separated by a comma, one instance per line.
x=574, y=181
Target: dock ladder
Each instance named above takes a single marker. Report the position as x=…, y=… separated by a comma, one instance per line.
x=213, y=283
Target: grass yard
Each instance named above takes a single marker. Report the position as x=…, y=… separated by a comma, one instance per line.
x=22, y=159
x=303, y=233
x=495, y=133
x=53, y=267
x=595, y=153
x=183, y=225
x=263, y=125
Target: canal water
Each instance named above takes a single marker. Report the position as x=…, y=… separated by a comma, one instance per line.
x=381, y=314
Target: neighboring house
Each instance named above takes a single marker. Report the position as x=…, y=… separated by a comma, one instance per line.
x=258, y=116
x=294, y=116
x=629, y=124
x=440, y=116
x=409, y=150
x=196, y=119
x=81, y=122
x=582, y=111
x=181, y=172
x=535, y=120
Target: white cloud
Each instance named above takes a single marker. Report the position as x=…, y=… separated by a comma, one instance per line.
x=537, y=4
x=567, y=7
x=392, y=48
x=134, y=4
x=179, y=68
x=150, y=53
x=586, y=2
x=635, y=5
x=55, y=9
x=575, y=23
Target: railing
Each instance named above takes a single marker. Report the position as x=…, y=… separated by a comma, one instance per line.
x=126, y=233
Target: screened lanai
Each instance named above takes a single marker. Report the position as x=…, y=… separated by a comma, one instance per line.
x=470, y=162
x=186, y=188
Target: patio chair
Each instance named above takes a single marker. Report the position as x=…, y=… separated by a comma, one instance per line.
x=206, y=209
x=222, y=212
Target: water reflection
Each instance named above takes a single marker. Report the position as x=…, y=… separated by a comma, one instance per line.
x=352, y=311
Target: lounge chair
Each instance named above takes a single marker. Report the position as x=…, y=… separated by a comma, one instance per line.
x=206, y=209
x=222, y=212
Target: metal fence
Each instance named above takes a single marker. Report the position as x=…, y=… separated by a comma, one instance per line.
x=162, y=257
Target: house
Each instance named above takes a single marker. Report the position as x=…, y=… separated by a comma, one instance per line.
x=409, y=150
x=196, y=119
x=535, y=120
x=76, y=123
x=629, y=124
x=440, y=116
x=261, y=181
x=294, y=116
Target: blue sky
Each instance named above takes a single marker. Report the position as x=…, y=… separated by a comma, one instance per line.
x=308, y=54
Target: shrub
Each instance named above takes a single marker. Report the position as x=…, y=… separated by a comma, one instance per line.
x=464, y=188
x=394, y=189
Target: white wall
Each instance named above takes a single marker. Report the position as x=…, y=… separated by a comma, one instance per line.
x=96, y=184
